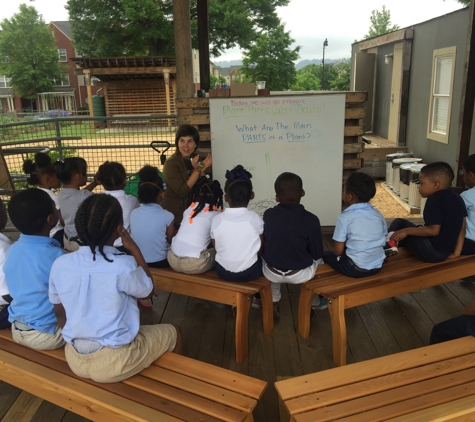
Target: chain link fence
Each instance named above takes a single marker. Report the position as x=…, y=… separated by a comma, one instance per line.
x=133, y=140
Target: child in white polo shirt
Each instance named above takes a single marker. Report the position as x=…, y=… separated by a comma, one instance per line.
x=237, y=232
x=113, y=178
x=97, y=288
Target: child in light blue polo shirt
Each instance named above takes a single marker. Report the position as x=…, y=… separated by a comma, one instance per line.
x=27, y=269
x=360, y=231
x=469, y=199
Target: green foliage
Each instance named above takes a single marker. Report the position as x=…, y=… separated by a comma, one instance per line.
x=214, y=80
x=33, y=59
x=380, y=23
x=271, y=59
x=341, y=82
x=337, y=77
x=138, y=27
x=307, y=78
x=464, y=2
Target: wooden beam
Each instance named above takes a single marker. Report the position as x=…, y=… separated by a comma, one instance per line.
x=402, y=34
x=203, y=43
x=468, y=97
x=182, y=28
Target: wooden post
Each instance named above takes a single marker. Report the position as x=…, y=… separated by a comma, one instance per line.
x=468, y=97
x=166, y=78
x=203, y=44
x=87, y=77
x=184, y=62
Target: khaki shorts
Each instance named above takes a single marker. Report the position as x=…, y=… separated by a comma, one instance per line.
x=38, y=340
x=188, y=265
x=117, y=364
x=70, y=245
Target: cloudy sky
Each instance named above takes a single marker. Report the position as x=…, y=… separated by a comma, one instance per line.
x=310, y=21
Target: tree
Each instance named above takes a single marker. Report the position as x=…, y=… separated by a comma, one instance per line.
x=138, y=27
x=464, y=2
x=342, y=80
x=271, y=59
x=31, y=56
x=380, y=23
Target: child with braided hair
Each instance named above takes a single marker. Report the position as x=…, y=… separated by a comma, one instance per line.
x=41, y=173
x=72, y=172
x=95, y=290
x=360, y=231
x=190, y=252
x=237, y=232
x=152, y=227
x=112, y=177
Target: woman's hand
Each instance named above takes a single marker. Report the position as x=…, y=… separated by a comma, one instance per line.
x=195, y=163
x=207, y=162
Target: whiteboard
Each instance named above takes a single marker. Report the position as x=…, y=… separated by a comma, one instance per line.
x=270, y=135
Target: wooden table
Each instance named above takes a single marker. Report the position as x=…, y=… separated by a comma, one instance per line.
x=416, y=385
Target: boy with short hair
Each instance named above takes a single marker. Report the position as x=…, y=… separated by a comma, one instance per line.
x=5, y=244
x=27, y=269
x=443, y=234
x=293, y=245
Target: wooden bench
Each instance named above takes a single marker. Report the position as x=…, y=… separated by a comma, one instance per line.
x=209, y=286
x=173, y=388
x=401, y=274
x=437, y=380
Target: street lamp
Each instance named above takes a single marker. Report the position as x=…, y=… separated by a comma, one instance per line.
x=325, y=44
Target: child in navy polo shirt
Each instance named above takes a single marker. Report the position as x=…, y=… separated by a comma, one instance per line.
x=27, y=269
x=293, y=245
x=360, y=231
x=443, y=233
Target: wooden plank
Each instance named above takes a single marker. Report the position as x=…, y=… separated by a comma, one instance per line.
x=402, y=34
x=361, y=371
x=382, y=391
x=355, y=148
x=355, y=113
x=457, y=410
x=192, y=102
x=356, y=97
x=354, y=130
x=67, y=392
x=51, y=413
x=195, y=119
x=8, y=394
x=23, y=409
x=354, y=163
x=213, y=375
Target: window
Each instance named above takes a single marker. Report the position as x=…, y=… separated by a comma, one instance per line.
x=63, y=82
x=62, y=55
x=443, y=66
x=5, y=82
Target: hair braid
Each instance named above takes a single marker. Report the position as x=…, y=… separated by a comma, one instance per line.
x=205, y=192
x=96, y=219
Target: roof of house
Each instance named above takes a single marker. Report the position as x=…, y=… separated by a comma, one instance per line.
x=64, y=27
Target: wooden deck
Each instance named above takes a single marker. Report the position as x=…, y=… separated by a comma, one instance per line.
x=377, y=329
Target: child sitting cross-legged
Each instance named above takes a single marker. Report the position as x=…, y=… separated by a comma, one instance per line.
x=27, y=270
x=237, y=232
x=360, y=231
x=152, y=227
x=95, y=290
x=190, y=252
x=443, y=233
x=112, y=176
x=72, y=173
x=293, y=245
x=41, y=172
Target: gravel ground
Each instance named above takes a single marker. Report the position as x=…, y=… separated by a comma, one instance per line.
x=388, y=206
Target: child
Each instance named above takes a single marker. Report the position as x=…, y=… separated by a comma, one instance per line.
x=458, y=327
x=444, y=216
x=5, y=243
x=237, y=232
x=360, y=231
x=41, y=172
x=27, y=269
x=190, y=252
x=94, y=291
x=293, y=245
x=112, y=177
x=151, y=226
x=72, y=173
x=469, y=198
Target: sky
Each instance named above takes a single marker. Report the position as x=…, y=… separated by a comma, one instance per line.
x=309, y=21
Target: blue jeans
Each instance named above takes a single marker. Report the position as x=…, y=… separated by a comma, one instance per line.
x=458, y=327
x=346, y=266
x=250, y=274
x=421, y=247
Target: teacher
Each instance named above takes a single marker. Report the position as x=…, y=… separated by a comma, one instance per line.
x=182, y=170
